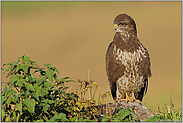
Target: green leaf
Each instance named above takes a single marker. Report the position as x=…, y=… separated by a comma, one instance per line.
x=64, y=79
x=20, y=57
x=8, y=119
x=51, y=101
x=47, y=64
x=45, y=107
x=38, y=89
x=10, y=63
x=70, y=81
x=26, y=58
x=41, y=120
x=59, y=116
x=27, y=79
x=27, y=94
x=93, y=120
x=80, y=119
x=33, y=67
x=85, y=120
x=20, y=82
x=39, y=81
x=56, y=70
x=15, y=68
x=49, y=74
x=14, y=78
x=73, y=119
x=43, y=68
x=12, y=93
x=8, y=101
x=29, y=87
x=22, y=93
x=25, y=67
x=62, y=99
x=123, y=113
x=3, y=99
x=54, y=118
x=55, y=77
x=33, y=79
x=50, y=68
x=19, y=107
x=34, y=63
x=106, y=118
x=43, y=92
x=62, y=115
x=35, y=96
x=17, y=62
x=4, y=84
x=2, y=113
x=6, y=69
x=30, y=104
x=47, y=84
x=8, y=89
x=152, y=119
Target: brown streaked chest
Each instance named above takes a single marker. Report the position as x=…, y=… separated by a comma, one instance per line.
x=130, y=53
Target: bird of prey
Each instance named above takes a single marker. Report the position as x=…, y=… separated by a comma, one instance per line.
x=127, y=62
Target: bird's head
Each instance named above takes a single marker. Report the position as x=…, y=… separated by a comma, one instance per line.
x=123, y=23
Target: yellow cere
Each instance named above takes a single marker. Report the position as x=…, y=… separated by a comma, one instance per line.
x=115, y=26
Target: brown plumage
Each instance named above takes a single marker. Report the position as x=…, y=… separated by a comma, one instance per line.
x=127, y=61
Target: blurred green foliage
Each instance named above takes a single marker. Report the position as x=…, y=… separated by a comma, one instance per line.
x=167, y=114
x=27, y=98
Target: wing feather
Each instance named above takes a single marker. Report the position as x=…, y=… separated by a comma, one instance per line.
x=114, y=69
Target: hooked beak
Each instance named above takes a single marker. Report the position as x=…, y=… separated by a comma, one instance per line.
x=115, y=27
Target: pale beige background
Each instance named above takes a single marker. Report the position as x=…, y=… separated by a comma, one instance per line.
x=74, y=36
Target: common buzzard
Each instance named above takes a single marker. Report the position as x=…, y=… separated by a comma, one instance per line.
x=127, y=62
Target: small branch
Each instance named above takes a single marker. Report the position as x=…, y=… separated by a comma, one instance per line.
x=99, y=98
x=69, y=89
x=17, y=89
x=94, y=92
x=94, y=117
x=107, y=106
x=89, y=83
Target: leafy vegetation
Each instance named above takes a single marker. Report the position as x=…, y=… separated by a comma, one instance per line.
x=43, y=98
x=167, y=114
x=121, y=115
x=35, y=94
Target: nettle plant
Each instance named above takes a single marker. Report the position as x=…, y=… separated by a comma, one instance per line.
x=37, y=94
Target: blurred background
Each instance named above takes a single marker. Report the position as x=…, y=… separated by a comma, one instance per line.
x=74, y=36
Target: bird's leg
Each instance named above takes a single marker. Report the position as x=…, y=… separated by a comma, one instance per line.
x=134, y=99
x=127, y=98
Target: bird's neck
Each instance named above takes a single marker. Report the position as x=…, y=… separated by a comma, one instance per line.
x=126, y=41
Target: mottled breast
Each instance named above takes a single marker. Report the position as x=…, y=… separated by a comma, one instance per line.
x=134, y=56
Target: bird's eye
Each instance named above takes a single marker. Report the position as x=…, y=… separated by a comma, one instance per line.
x=122, y=24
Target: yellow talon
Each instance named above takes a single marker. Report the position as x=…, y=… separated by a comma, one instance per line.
x=127, y=98
x=134, y=99
x=131, y=99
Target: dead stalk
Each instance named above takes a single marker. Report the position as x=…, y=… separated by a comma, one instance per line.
x=107, y=106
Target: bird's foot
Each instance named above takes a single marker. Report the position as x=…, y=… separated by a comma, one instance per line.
x=128, y=99
x=133, y=99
